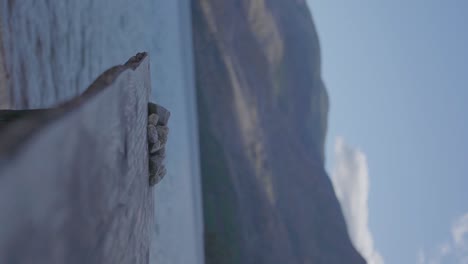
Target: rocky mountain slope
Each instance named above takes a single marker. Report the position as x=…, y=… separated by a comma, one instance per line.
x=262, y=117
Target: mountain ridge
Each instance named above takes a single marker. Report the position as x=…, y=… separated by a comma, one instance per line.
x=263, y=109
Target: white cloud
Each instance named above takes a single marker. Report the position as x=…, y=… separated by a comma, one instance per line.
x=350, y=179
x=421, y=257
x=445, y=249
x=454, y=250
x=460, y=232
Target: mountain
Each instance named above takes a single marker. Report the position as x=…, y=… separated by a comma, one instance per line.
x=262, y=110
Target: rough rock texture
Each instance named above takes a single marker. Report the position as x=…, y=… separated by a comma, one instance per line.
x=157, y=138
x=263, y=111
x=74, y=179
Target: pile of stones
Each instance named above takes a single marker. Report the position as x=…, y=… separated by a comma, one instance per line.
x=158, y=118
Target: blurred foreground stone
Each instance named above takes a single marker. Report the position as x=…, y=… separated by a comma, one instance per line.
x=74, y=179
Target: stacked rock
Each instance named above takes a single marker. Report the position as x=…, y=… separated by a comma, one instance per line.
x=158, y=118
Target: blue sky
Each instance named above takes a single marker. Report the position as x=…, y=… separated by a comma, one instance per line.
x=397, y=76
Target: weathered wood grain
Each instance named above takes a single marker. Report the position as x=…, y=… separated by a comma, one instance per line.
x=74, y=180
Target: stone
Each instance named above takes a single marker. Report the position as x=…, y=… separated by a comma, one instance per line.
x=156, y=178
x=157, y=159
x=153, y=119
x=152, y=180
x=157, y=149
x=160, y=174
x=162, y=152
x=152, y=169
x=157, y=169
x=154, y=147
x=163, y=131
x=162, y=112
x=153, y=134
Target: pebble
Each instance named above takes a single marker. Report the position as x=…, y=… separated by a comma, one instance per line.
x=153, y=119
x=153, y=134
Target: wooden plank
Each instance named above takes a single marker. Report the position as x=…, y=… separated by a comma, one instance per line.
x=74, y=179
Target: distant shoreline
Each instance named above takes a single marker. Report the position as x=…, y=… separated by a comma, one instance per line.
x=4, y=102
